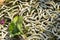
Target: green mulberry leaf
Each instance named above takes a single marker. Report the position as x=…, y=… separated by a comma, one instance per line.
x=11, y=27
x=15, y=19
x=19, y=26
x=20, y=19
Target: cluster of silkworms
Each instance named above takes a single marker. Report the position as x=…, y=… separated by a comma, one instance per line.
x=42, y=17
